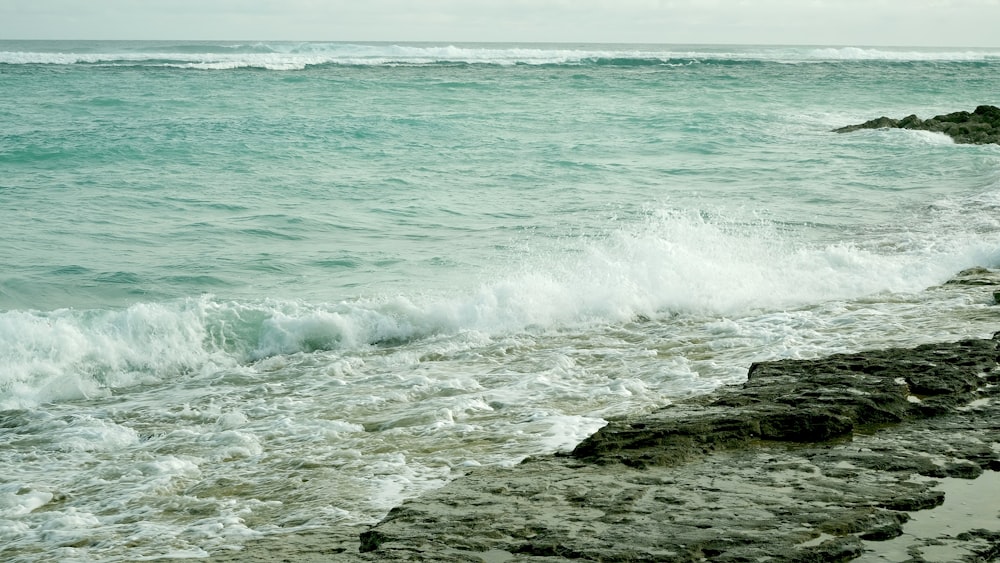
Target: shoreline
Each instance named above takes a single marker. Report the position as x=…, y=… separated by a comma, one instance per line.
x=882, y=455
x=822, y=460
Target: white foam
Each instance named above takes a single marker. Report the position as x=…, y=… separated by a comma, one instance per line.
x=566, y=431
x=67, y=527
x=679, y=262
x=70, y=519
x=66, y=354
x=87, y=434
x=231, y=420
x=930, y=137
x=16, y=501
x=912, y=136
x=170, y=466
x=232, y=444
x=11, y=530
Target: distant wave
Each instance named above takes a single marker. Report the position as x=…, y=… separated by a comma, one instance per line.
x=298, y=56
x=876, y=54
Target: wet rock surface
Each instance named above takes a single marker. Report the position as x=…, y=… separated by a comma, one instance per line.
x=981, y=127
x=834, y=459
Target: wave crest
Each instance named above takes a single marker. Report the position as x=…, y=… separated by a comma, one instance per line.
x=673, y=263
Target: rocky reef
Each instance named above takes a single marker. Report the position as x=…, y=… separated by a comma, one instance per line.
x=980, y=127
x=847, y=457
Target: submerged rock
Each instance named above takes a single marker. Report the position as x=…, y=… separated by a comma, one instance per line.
x=980, y=127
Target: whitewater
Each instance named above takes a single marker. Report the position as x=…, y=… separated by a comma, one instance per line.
x=252, y=290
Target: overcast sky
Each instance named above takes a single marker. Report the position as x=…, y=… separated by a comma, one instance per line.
x=966, y=23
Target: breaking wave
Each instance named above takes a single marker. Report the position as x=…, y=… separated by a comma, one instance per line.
x=674, y=263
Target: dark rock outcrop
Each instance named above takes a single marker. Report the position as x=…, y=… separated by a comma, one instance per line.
x=803, y=401
x=980, y=127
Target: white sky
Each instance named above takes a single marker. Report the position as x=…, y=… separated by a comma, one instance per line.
x=944, y=23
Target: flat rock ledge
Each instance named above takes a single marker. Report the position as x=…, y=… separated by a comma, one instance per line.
x=980, y=127
x=886, y=455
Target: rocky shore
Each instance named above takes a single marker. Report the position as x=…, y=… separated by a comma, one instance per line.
x=980, y=127
x=885, y=455
x=849, y=457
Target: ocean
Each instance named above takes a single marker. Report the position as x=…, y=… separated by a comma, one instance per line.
x=249, y=290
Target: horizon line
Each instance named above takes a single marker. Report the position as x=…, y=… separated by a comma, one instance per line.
x=506, y=42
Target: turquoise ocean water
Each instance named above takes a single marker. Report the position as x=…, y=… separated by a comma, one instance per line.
x=249, y=290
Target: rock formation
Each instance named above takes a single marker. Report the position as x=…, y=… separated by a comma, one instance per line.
x=980, y=127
